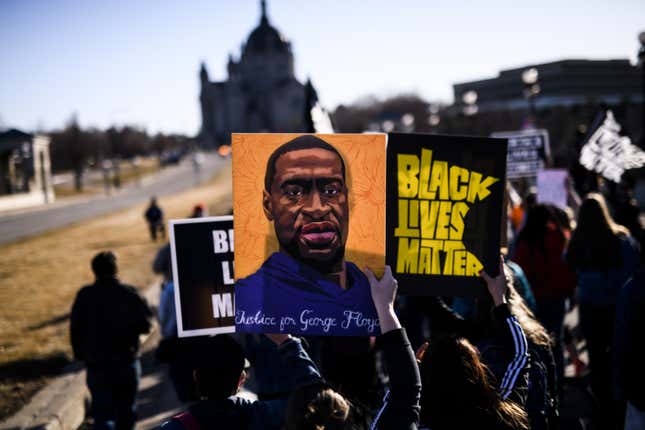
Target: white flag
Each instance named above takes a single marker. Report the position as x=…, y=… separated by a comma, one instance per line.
x=609, y=153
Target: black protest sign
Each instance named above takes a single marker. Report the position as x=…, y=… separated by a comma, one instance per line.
x=444, y=212
x=528, y=152
x=202, y=263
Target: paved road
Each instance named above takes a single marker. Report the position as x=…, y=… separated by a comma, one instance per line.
x=169, y=181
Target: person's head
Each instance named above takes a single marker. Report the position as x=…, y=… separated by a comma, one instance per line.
x=305, y=195
x=595, y=243
x=198, y=211
x=153, y=201
x=317, y=407
x=538, y=217
x=458, y=390
x=218, y=365
x=104, y=265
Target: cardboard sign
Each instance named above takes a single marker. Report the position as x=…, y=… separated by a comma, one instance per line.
x=444, y=210
x=607, y=152
x=309, y=217
x=202, y=265
x=552, y=187
x=528, y=152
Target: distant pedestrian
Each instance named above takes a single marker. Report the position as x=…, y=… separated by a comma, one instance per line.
x=106, y=321
x=154, y=216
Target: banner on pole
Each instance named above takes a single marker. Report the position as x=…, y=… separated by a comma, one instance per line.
x=607, y=152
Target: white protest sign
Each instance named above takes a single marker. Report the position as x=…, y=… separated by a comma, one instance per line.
x=528, y=152
x=551, y=187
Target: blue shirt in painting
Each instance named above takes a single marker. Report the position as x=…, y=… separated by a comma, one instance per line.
x=287, y=296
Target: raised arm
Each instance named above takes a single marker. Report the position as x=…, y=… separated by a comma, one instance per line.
x=513, y=340
x=400, y=407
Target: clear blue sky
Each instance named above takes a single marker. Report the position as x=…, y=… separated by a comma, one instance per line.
x=136, y=62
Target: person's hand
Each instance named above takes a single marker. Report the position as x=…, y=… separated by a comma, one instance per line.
x=278, y=338
x=497, y=286
x=383, y=293
x=421, y=351
x=383, y=290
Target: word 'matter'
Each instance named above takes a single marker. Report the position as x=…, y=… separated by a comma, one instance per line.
x=433, y=202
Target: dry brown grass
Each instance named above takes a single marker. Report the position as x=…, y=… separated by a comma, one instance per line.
x=40, y=276
x=148, y=166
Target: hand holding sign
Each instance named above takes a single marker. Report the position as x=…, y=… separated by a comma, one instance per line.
x=497, y=286
x=383, y=294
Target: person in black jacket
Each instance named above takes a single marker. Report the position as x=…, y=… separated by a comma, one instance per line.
x=319, y=406
x=106, y=320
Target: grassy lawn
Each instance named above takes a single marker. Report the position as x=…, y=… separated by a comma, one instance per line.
x=40, y=276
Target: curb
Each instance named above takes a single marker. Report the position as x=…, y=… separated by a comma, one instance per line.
x=63, y=404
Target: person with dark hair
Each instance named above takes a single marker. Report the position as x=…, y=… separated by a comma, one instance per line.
x=458, y=391
x=604, y=256
x=218, y=365
x=106, y=320
x=306, y=198
x=539, y=250
x=154, y=217
x=319, y=406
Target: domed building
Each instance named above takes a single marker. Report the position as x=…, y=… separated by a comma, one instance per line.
x=261, y=93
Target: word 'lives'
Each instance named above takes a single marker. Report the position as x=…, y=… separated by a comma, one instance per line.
x=223, y=244
x=433, y=201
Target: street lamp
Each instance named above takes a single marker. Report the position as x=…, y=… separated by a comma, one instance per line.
x=470, y=101
x=531, y=88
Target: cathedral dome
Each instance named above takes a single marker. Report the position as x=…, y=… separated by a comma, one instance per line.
x=265, y=37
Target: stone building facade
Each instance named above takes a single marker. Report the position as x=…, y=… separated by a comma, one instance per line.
x=261, y=92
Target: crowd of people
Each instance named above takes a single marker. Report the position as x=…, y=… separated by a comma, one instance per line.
x=492, y=362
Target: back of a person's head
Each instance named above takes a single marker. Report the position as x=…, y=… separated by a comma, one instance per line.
x=218, y=363
x=104, y=265
x=317, y=407
x=458, y=391
x=595, y=243
x=537, y=219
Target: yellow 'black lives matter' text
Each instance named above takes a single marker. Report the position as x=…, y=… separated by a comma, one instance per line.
x=433, y=202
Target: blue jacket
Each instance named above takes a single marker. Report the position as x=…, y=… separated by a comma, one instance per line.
x=287, y=296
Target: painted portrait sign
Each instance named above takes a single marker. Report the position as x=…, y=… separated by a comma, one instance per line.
x=309, y=217
x=444, y=210
x=202, y=262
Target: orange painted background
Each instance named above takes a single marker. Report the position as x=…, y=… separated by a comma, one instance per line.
x=364, y=156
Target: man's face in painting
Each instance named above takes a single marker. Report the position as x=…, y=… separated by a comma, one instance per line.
x=307, y=202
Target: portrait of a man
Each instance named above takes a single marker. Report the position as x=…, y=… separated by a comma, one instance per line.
x=307, y=286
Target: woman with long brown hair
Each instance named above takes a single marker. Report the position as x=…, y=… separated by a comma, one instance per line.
x=604, y=256
x=459, y=390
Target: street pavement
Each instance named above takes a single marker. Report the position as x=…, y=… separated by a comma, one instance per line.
x=171, y=180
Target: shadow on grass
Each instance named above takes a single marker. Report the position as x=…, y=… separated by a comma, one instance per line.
x=36, y=368
x=21, y=379
x=52, y=321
